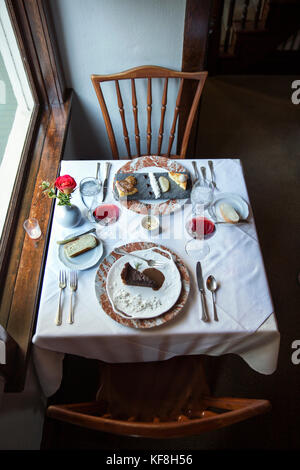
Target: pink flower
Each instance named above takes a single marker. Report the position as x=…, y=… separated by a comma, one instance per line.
x=65, y=184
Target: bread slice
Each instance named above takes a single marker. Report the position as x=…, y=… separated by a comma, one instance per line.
x=229, y=214
x=79, y=246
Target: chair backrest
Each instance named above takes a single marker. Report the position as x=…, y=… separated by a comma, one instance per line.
x=149, y=73
x=157, y=400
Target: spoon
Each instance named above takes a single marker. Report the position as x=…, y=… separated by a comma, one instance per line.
x=212, y=285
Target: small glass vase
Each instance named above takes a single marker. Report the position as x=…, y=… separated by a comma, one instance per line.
x=68, y=216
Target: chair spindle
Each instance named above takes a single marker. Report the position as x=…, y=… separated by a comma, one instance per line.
x=107, y=121
x=162, y=119
x=135, y=115
x=149, y=110
x=176, y=112
x=122, y=113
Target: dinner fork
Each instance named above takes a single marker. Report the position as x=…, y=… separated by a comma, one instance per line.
x=62, y=284
x=196, y=172
x=151, y=263
x=73, y=287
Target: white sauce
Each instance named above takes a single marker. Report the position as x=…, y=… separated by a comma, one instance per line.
x=134, y=303
x=154, y=184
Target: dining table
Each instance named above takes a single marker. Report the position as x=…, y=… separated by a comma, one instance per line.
x=246, y=324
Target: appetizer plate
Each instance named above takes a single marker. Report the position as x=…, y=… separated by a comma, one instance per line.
x=103, y=298
x=234, y=200
x=85, y=260
x=143, y=302
x=157, y=164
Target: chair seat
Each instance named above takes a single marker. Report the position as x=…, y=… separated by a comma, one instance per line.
x=157, y=400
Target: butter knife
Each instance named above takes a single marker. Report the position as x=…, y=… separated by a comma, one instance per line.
x=97, y=172
x=201, y=289
x=67, y=240
x=107, y=167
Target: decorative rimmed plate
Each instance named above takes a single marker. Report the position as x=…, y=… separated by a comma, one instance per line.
x=234, y=200
x=103, y=298
x=84, y=261
x=144, y=302
x=158, y=164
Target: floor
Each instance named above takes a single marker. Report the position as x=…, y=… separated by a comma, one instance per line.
x=22, y=416
x=251, y=118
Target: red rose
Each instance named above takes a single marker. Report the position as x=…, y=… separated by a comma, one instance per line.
x=65, y=184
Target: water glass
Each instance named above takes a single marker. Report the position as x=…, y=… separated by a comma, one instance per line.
x=202, y=195
x=90, y=189
x=33, y=229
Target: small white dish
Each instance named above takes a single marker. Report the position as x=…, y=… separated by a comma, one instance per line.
x=85, y=260
x=150, y=224
x=234, y=200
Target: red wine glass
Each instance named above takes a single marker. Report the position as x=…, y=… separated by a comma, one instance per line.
x=106, y=214
x=200, y=229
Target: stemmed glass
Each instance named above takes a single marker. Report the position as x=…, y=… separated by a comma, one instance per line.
x=103, y=214
x=89, y=189
x=202, y=193
x=106, y=214
x=200, y=229
x=197, y=226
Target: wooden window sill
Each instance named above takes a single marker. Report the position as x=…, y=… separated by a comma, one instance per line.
x=22, y=284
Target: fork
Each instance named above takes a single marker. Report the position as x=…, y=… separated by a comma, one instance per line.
x=73, y=287
x=152, y=263
x=62, y=284
x=197, y=176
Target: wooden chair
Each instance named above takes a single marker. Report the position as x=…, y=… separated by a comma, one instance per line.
x=167, y=399
x=149, y=73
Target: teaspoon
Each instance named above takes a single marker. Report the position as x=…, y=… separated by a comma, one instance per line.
x=212, y=285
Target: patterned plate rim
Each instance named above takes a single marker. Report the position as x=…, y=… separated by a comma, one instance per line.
x=100, y=288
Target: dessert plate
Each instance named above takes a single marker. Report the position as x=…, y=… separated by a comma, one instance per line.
x=85, y=260
x=140, y=301
x=234, y=200
x=102, y=295
x=150, y=164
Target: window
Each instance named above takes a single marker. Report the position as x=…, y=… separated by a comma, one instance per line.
x=16, y=109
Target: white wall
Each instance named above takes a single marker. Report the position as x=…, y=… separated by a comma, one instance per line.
x=108, y=36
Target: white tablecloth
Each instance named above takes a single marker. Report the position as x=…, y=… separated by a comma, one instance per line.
x=247, y=324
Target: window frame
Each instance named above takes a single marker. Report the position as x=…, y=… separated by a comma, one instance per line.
x=21, y=268
x=26, y=103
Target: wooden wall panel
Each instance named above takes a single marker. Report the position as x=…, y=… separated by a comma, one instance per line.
x=195, y=40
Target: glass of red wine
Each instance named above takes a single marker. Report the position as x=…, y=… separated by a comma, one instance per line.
x=106, y=214
x=200, y=229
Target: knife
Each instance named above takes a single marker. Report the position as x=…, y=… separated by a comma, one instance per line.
x=107, y=167
x=67, y=240
x=201, y=289
x=97, y=173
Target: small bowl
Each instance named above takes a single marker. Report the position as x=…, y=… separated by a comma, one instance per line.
x=150, y=224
